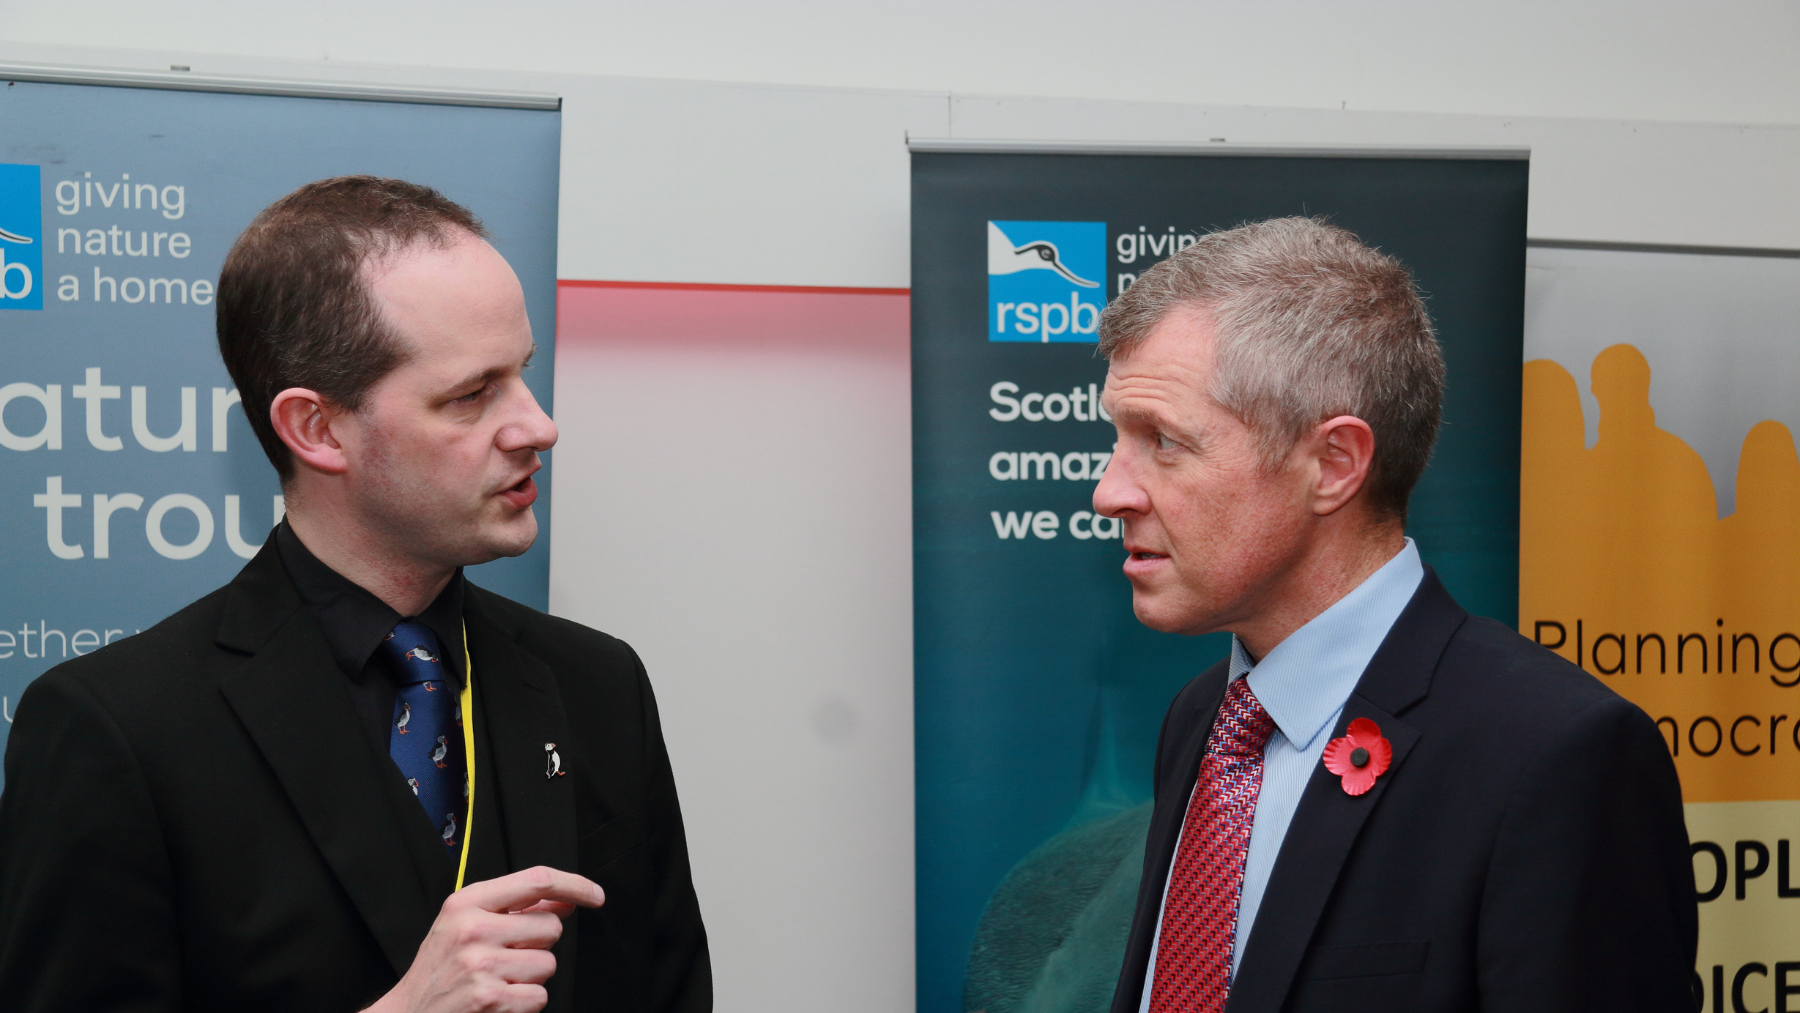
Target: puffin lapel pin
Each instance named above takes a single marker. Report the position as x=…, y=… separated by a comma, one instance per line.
x=552, y=761
x=1360, y=757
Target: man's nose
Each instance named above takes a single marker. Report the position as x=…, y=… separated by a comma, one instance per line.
x=1117, y=494
x=532, y=429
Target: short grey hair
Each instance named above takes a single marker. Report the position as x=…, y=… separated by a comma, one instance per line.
x=1309, y=324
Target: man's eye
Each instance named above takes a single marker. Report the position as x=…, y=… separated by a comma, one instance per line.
x=1164, y=443
x=469, y=398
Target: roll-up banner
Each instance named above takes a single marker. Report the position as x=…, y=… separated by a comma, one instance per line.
x=1038, y=694
x=130, y=483
x=1660, y=530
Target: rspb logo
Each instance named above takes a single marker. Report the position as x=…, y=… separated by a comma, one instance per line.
x=21, y=238
x=1044, y=280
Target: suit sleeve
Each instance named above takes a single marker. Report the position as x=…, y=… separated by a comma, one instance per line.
x=1589, y=903
x=681, y=980
x=86, y=918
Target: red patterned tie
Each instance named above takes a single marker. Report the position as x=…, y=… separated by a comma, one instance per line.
x=1193, y=953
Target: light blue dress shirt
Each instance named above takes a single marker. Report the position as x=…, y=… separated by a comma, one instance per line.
x=1303, y=684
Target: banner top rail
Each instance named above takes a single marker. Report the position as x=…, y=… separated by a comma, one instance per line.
x=982, y=146
x=1704, y=251
x=181, y=80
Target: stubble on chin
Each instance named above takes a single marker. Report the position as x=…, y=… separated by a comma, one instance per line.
x=1174, y=606
x=1158, y=608
x=1161, y=618
x=516, y=537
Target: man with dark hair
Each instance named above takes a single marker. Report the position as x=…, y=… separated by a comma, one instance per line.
x=1378, y=802
x=352, y=777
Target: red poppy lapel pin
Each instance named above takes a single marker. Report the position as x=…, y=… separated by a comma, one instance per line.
x=1360, y=757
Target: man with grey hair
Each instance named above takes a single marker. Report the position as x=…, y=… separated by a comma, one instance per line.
x=1378, y=801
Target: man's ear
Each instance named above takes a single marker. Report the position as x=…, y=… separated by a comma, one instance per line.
x=303, y=420
x=1344, y=449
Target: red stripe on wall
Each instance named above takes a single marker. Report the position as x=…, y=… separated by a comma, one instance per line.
x=638, y=315
x=695, y=286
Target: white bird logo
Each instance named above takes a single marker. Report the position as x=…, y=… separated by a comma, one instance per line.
x=450, y=830
x=422, y=654
x=442, y=750
x=552, y=761
x=413, y=782
x=1042, y=255
x=405, y=716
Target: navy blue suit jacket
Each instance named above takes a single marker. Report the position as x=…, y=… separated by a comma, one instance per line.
x=1526, y=850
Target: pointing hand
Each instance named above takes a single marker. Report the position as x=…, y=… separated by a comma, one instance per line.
x=489, y=949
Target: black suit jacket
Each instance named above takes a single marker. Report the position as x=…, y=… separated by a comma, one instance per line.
x=195, y=818
x=1525, y=851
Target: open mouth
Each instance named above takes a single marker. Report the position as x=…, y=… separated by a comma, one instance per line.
x=1140, y=562
x=522, y=494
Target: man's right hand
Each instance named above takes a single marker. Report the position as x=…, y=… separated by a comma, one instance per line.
x=489, y=949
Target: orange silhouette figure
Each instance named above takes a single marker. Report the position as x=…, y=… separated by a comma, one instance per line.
x=1626, y=567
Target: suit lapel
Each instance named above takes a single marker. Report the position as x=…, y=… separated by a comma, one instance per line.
x=1178, y=768
x=1325, y=827
x=1327, y=821
x=521, y=713
x=1177, y=781
x=292, y=700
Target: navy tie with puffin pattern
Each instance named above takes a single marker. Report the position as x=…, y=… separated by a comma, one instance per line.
x=426, y=738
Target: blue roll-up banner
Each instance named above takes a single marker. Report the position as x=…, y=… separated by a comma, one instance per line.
x=1038, y=694
x=130, y=483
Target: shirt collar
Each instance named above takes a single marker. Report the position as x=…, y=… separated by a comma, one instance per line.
x=1304, y=681
x=354, y=620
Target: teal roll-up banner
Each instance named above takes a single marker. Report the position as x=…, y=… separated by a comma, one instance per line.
x=1038, y=695
x=130, y=483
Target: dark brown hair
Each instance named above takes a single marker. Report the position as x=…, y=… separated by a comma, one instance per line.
x=293, y=309
x=1309, y=324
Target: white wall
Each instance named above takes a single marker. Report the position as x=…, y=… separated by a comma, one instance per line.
x=1658, y=123
x=1723, y=61
x=733, y=497
x=1654, y=122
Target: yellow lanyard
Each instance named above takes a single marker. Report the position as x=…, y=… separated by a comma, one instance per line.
x=468, y=722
